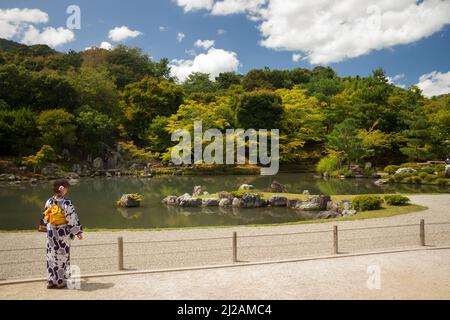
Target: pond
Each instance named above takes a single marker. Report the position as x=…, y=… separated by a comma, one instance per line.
x=94, y=199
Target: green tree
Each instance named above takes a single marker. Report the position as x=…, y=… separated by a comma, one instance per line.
x=18, y=132
x=57, y=129
x=144, y=100
x=344, y=138
x=302, y=123
x=42, y=157
x=259, y=110
x=199, y=82
x=226, y=79
x=95, y=127
x=96, y=89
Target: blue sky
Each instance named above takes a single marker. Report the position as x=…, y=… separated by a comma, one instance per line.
x=430, y=53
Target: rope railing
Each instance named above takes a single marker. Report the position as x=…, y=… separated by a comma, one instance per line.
x=333, y=240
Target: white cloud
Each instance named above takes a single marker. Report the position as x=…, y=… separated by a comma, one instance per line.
x=191, y=5
x=106, y=45
x=225, y=7
x=162, y=29
x=12, y=21
x=180, y=37
x=395, y=80
x=205, y=44
x=221, y=32
x=296, y=57
x=53, y=37
x=121, y=33
x=434, y=83
x=328, y=31
x=214, y=62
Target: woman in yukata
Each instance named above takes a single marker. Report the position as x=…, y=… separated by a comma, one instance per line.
x=62, y=226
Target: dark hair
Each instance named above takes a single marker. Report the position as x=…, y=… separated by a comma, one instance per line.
x=59, y=183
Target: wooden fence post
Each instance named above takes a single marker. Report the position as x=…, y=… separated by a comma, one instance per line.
x=120, y=253
x=335, y=240
x=422, y=232
x=235, y=247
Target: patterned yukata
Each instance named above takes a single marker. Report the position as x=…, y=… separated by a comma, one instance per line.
x=58, y=241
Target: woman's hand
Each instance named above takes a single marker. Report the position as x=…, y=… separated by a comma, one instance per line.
x=80, y=236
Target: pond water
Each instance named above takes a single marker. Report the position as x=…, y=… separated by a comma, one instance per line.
x=94, y=199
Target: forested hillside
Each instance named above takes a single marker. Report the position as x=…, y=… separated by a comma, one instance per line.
x=80, y=105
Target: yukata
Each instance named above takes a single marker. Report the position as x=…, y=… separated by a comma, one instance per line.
x=58, y=241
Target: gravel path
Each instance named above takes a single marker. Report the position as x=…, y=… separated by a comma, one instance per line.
x=404, y=275
x=22, y=254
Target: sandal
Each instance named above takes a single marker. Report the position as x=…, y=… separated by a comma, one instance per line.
x=51, y=285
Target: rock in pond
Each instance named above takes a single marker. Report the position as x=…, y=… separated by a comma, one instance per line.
x=130, y=201
x=328, y=215
x=278, y=201
x=210, y=202
x=170, y=200
x=225, y=202
x=249, y=201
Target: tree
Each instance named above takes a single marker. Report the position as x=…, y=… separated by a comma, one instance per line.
x=302, y=123
x=18, y=132
x=57, y=129
x=259, y=110
x=43, y=156
x=95, y=89
x=226, y=79
x=95, y=127
x=144, y=100
x=344, y=138
x=199, y=82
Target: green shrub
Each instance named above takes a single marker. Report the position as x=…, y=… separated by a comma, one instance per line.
x=327, y=164
x=429, y=170
x=416, y=180
x=241, y=193
x=367, y=202
x=396, y=200
x=391, y=169
x=442, y=181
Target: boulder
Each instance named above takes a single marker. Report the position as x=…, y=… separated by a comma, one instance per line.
x=249, y=201
x=306, y=192
x=11, y=177
x=190, y=202
x=314, y=204
x=223, y=203
x=33, y=180
x=403, y=170
x=308, y=206
x=98, y=164
x=328, y=215
x=76, y=168
x=346, y=204
x=246, y=187
x=170, y=200
x=225, y=195
x=277, y=201
x=349, y=212
x=210, y=202
x=277, y=187
x=292, y=203
x=332, y=206
x=129, y=201
x=197, y=191
x=380, y=182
